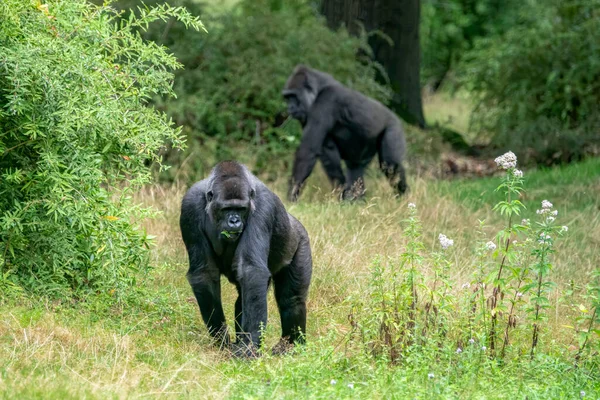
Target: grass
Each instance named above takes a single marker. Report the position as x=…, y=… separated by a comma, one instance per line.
x=157, y=347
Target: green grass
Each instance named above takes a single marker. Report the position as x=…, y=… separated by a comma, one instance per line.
x=157, y=346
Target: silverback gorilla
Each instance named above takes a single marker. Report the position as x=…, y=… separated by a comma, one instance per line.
x=233, y=225
x=342, y=124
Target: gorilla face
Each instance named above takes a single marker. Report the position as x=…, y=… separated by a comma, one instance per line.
x=300, y=93
x=229, y=205
x=296, y=107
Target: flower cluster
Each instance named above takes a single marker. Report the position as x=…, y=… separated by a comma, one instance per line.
x=412, y=205
x=547, y=209
x=518, y=173
x=507, y=161
x=544, y=238
x=445, y=242
x=490, y=246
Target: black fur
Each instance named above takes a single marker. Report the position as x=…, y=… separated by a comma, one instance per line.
x=342, y=124
x=233, y=225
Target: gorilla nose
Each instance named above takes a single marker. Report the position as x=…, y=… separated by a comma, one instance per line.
x=234, y=222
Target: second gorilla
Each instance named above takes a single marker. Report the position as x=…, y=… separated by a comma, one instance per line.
x=342, y=124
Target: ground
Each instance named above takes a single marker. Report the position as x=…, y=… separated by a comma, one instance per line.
x=159, y=346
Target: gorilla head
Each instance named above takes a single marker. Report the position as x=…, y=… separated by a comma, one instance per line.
x=229, y=200
x=300, y=92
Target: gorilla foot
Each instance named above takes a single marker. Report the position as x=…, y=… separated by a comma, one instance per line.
x=244, y=350
x=282, y=347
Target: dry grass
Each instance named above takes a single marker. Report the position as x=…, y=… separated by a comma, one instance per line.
x=165, y=352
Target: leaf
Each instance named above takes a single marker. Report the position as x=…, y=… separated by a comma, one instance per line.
x=111, y=218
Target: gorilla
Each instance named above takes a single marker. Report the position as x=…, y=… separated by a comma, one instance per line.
x=233, y=225
x=342, y=124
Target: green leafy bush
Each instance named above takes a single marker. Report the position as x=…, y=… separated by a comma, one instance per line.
x=449, y=29
x=76, y=134
x=538, y=85
x=230, y=89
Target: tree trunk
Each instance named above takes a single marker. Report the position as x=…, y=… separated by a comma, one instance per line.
x=398, y=19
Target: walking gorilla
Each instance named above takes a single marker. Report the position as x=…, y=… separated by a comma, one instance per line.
x=233, y=225
x=341, y=124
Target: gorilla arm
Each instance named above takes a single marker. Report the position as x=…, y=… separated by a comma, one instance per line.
x=320, y=121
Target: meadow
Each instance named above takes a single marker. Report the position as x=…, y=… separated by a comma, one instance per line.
x=157, y=346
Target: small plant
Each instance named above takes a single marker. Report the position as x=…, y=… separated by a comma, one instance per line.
x=415, y=306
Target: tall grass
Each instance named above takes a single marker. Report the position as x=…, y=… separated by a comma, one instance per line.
x=158, y=347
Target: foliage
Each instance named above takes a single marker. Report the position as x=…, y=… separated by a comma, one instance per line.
x=230, y=89
x=449, y=29
x=538, y=85
x=77, y=134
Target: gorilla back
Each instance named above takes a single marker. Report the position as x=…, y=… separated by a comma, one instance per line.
x=233, y=225
x=342, y=124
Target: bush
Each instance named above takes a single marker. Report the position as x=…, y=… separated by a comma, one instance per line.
x=230, y=89
x=538, y=86
x=76, y=137
x=449, y=29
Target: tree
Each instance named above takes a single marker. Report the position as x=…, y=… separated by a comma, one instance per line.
x=399, y=20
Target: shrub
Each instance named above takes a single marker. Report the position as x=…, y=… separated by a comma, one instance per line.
x=538, y=86
x=449, y=29
x=77, y=134
x=230, y=89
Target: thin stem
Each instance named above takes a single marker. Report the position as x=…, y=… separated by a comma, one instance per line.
x=534, y=339
x=578, y=355
x=510, y=314
x=497, y=291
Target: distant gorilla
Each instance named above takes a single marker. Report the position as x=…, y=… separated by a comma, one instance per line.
x=233, y=225
x=342, y=124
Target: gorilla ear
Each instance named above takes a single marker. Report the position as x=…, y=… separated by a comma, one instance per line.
x=209, y=196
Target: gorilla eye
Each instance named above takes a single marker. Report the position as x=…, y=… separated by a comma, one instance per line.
x=209, y=196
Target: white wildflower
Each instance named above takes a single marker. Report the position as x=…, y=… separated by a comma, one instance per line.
x=412, y=205
x=519, y=295
x=544, y=238
x=546, y=208
x=445, y=242
x=466, y=285
x=525, y=222
x=582, y=393
x=430, y=375
x=483, y=348
x=490, y=246
x=351, y=385
x=507, y=160
x=333, y=382
x=471, y=340
x=550, y=219
x=564, y=229
x=518, y=173
x=458, y=351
